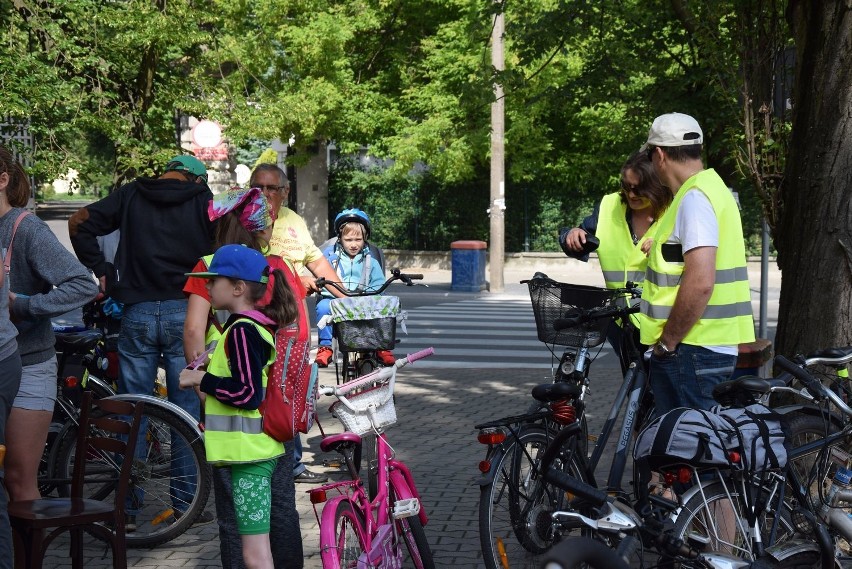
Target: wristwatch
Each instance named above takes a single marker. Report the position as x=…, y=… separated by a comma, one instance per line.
x=662, y=351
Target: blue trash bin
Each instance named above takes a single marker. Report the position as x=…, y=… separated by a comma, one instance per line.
x=468, y=259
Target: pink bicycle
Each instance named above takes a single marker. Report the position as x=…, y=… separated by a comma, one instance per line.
x=356, y=532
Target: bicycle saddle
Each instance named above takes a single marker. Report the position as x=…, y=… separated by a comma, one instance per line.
x=555, y=391
x=744, y=390
x=77, y=342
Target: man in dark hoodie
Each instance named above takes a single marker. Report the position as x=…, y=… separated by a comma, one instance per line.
x=165, y=229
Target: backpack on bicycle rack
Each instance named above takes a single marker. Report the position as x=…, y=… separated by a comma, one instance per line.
x=291, y=391
x=750, y=438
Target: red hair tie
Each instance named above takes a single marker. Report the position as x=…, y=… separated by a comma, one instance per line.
x=270, y=286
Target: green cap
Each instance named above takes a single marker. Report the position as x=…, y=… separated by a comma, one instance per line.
x=187, y=163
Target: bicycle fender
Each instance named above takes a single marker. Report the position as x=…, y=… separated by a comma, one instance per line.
x=152, y=401
x=810, y=410
x=104, y=385
x=399, y=480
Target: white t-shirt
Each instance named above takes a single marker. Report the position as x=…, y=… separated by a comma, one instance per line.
x=696, y=226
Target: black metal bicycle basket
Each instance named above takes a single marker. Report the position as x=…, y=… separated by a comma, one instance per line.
x=552, y=300
x=364, y=335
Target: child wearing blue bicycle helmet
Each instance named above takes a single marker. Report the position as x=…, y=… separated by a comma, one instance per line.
x=357, y=268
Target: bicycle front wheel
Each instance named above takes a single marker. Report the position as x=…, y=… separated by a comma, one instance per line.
x=169, y=484
x=341, y=547
x=713, y=520
x=515, y=526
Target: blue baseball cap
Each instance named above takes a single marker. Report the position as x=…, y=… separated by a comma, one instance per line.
x=237, y=262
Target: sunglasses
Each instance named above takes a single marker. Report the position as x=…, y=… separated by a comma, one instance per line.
x=628, y=188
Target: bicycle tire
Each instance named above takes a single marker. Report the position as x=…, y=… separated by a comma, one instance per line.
x=514, y=508
x=582, y=551
x=805, y=428
x=414, y=536
x=348, y=544
x=410, y=529
x=701, y=520
x=155, y=520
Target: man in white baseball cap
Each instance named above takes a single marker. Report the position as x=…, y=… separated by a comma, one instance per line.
x=696, y=303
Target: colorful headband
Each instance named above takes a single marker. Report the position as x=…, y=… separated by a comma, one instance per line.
x=255, y=216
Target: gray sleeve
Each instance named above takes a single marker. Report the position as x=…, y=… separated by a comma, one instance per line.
x=50, y=280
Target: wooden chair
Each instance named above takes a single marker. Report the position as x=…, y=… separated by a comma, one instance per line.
x=107, y=431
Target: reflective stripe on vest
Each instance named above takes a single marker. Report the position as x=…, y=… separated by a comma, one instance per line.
x=233, y=435
x=727, y=318
x=620, y=259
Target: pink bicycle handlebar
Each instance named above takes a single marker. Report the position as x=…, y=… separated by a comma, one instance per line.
x=420, y=355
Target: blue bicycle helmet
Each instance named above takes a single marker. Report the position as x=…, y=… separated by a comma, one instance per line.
x=356, y=215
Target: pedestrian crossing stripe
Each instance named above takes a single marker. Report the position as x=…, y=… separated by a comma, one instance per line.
x=480, y=333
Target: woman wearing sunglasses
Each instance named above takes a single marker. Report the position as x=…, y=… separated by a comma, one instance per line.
x=621, y=222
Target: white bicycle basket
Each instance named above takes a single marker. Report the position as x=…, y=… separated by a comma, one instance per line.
x=366, y=411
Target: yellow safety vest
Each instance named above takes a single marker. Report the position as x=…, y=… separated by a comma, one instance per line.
x=233, y=435
x=727, y=319
x=620, y=259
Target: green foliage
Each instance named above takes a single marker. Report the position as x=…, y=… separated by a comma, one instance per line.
x=268, y=156
x=102, y=84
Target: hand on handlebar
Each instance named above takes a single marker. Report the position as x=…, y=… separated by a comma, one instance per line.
x=310, y=284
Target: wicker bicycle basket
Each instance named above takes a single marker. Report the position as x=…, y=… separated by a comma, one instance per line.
x=552, y=300
x=375, y=401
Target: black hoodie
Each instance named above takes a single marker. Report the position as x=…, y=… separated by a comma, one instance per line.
x=164, y=230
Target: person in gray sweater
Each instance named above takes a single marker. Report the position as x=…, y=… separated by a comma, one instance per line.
x=45, y=280
x=11, y=174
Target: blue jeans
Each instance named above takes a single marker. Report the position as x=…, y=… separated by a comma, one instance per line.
x=687, y=378
x=298, y=467
x=150, y=330
x=285, y=534
x=324, y=334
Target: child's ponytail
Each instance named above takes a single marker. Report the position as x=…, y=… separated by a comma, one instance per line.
x=282, y=307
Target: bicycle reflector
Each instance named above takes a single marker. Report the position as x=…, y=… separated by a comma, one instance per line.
x=682, y=475
x=484, y=466
x=72, y=381
x=318, y=496
x=734, y=457
x=491, y=436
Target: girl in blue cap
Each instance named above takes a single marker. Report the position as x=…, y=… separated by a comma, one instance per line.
x=234, y=386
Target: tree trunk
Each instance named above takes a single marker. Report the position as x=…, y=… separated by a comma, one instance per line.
x=814, y=238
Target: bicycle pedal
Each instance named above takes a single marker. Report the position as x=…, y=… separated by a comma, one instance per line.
x=406, y=508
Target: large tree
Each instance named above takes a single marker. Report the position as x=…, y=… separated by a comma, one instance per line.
x=814, y=237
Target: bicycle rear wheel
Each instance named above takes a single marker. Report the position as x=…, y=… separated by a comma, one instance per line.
x=169, y=484
x=515, y=527
x=341, y=548
x=713, y=520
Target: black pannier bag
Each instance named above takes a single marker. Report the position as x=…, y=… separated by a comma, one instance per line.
x=708, y=438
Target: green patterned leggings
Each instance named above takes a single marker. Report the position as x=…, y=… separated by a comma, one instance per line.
x=252, y=496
